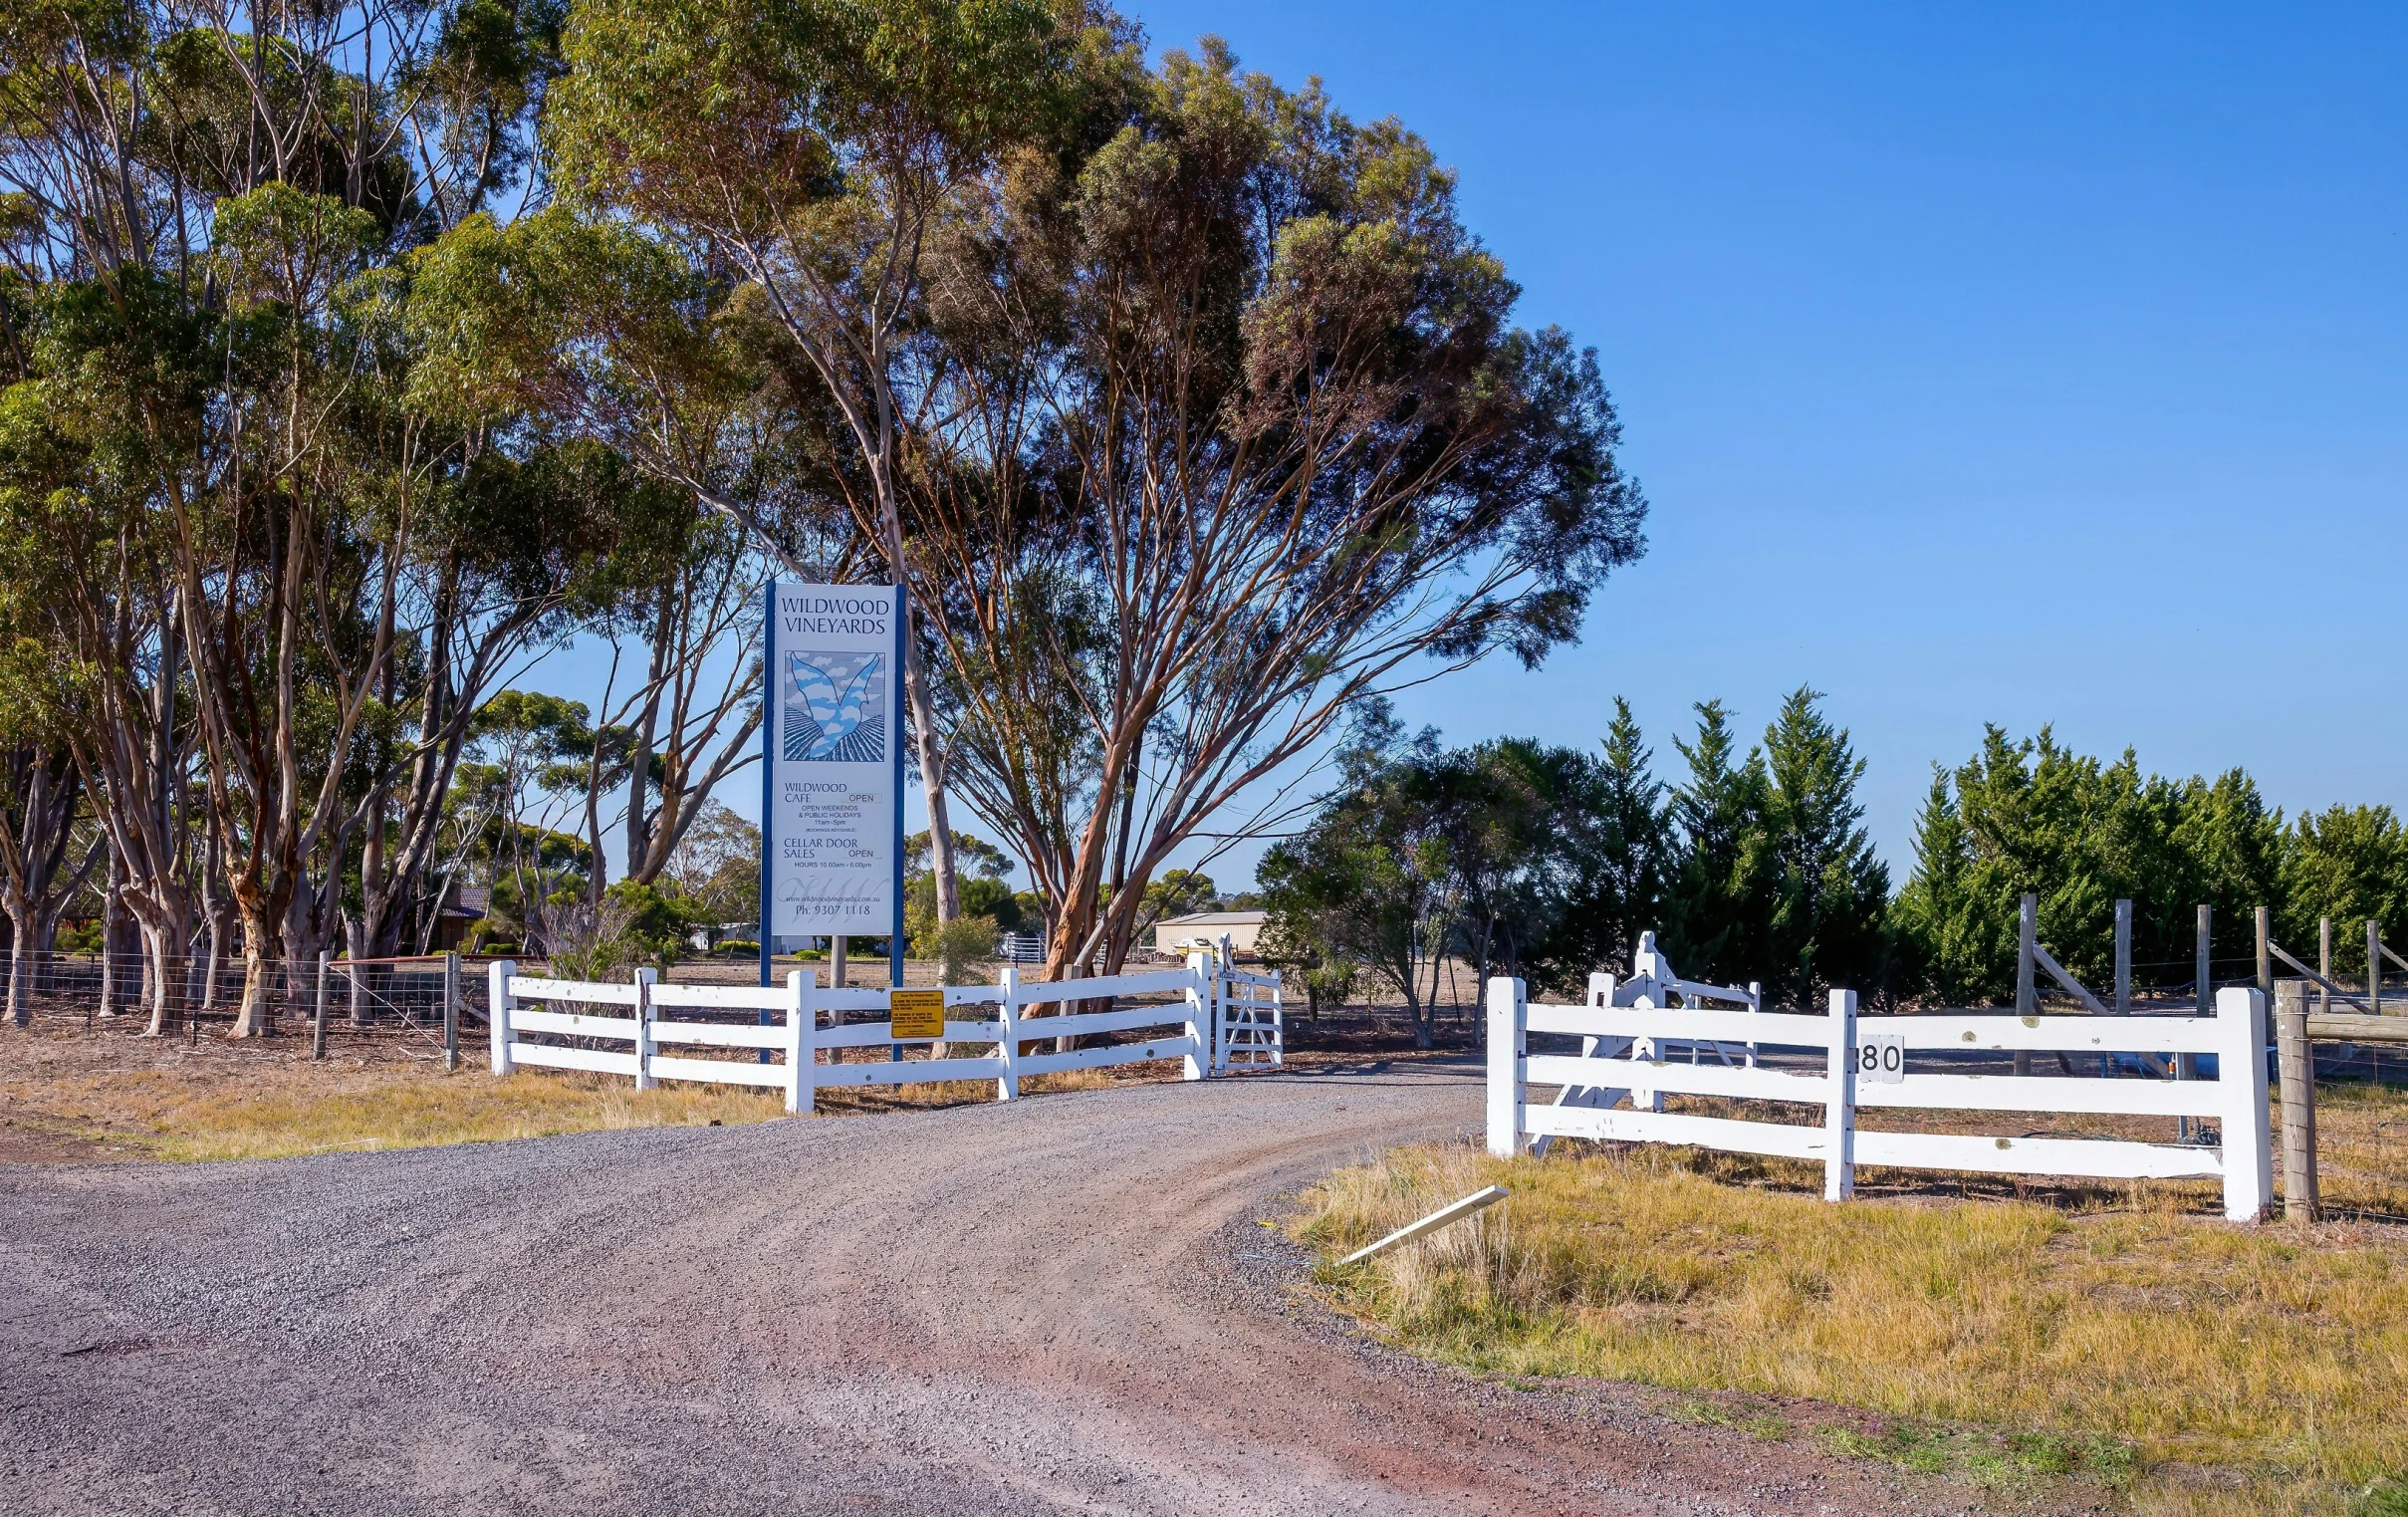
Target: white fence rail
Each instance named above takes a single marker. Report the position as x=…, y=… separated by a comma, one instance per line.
x=1838, y=1063
x=1221, y=1017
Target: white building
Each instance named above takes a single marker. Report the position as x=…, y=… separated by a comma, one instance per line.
x=1176, y=936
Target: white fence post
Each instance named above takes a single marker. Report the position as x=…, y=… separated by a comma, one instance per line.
x=1007, y=1085
x=497, y=1011
x=1279, y=1021
x=1507, y=1065
x=1201, y=1016
x=802, y=1046
x=645, y=979
x=2248, y=1149
x=1839, y=1110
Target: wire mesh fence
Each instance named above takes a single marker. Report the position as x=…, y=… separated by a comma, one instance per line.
x=405, y=995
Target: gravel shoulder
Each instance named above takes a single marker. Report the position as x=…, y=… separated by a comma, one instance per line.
x=1061, y=1305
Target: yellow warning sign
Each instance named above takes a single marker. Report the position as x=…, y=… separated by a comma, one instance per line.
x=918, y=1014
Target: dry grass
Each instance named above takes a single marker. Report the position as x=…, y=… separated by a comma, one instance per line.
x=70, y=1094
x=2236, y=1368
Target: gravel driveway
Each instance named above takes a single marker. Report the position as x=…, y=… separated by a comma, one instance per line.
x=1061, y=1305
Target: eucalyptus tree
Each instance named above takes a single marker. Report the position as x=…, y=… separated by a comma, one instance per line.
x=214, y=197
x=811, y=151
x=1235, y=432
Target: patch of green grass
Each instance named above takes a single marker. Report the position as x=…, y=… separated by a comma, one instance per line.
x=1990, y=1460
x=1773, y=1430
x=2387, y=1497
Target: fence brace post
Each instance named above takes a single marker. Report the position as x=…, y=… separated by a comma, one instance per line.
x=1508, y=1065
x=497, y=980
x=451, y=1012
x=802, y=1046
x=2298, y=1102
x=1007, y=1085
x=2249, y=1152
x=1839, y=1107
x=645, y=979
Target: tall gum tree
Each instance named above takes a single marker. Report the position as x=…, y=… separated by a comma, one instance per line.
x=809, y=149
x=1234, y=432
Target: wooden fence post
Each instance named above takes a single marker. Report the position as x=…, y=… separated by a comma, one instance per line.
x=497, y=980
x=645, y=979
x=2027, y=1000
x=1840, y=1105
x=2298, y=1102
x=1007, y=1085
x=2249, y=1152
x=2266, y=957
x=2123, y=958
x=2374, y=967
x=451, y=1012
x=802, y=1042
x=2324, y=965
x=1508, y=1065
x=318, y=1011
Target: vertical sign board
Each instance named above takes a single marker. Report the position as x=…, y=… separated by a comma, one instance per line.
x=831, y=813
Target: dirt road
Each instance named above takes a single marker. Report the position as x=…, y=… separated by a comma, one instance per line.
x=1058, y=1306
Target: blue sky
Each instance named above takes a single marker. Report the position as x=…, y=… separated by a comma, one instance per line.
x=2044, y=366
x=2041, y=366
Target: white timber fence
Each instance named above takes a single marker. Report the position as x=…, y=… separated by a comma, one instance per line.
x=1824, y=1068
x=619, y=1029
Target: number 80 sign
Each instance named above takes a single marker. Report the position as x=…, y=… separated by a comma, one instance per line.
x=1881, y=1059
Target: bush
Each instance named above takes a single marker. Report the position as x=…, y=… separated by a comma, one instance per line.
x=737, y=947
x=961, y=946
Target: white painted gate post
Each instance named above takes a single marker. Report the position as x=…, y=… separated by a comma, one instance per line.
x=498, y=1006
x=1508, y=1065
x=645, y=978
x=801, y=1044
x=1839, y=1108
x=1200, y=1016
x=1007, y=1087
x=2249, y=1139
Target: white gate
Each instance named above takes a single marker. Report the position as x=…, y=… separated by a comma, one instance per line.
x=1249, y=1030
x=1820, y=1070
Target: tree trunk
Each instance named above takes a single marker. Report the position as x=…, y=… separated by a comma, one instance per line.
x=258, y=971
x=355, y=1005
x=20, y=966
x=165, y=942
x=932, y=780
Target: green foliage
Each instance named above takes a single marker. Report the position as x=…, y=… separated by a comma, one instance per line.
x=1828, y=893
x=1720, y=920
x=2080, y=835
x=2349, y=862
